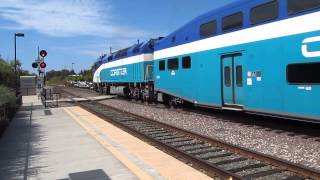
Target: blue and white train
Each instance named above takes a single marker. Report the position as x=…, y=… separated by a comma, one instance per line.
x=257, y=56
x=128, y=71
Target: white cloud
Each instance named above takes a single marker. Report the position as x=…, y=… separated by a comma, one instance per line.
x=66, y=18
x=95, y=48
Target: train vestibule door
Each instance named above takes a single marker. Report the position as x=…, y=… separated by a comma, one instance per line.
x=232, y=80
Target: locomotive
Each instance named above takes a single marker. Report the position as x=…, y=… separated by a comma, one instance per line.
x=128, y=72
x=256, y=56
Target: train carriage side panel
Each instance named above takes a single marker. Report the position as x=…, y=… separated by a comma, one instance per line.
x=303, y=81
x=266, y=88
x=194, y=83
x=126, y=70
x=269, y=52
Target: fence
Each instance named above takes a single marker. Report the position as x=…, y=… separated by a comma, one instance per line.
x=4, y=116
x=49, y=97
x=28, y=91
x=7, y=112
x=3, y=112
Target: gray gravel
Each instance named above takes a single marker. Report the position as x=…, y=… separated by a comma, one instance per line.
x=294, y=149
x=81, y=92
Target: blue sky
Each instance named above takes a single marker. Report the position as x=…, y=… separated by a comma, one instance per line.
x=78, y=31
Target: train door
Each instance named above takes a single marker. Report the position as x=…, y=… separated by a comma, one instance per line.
x=232, y=80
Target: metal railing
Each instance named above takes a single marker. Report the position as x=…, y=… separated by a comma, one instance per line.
x=3, y=112
x=7, y=111
x=28, y=91
x=50, y=98
x=4, y=116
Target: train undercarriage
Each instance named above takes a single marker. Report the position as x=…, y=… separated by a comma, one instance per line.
x=138, y=91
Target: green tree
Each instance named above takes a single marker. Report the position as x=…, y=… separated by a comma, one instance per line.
x=7, y=82
x=7, y=76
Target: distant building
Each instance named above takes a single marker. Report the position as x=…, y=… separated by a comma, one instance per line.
x=28, y=85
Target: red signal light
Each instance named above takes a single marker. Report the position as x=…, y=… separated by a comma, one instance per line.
x=43, y=53
x=43, y=65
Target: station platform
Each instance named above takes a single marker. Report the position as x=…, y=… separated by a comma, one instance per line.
x=71, y=143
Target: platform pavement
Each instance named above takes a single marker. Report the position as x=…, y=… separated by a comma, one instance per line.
x=52, y=146
x=72, y=143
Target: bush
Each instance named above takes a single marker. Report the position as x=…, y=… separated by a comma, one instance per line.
x=7, y=76
x=8, y=97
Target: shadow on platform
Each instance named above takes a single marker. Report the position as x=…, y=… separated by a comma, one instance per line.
x=97, y=174
x=19, y=145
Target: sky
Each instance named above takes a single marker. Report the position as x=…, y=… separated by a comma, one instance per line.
x=79, y=31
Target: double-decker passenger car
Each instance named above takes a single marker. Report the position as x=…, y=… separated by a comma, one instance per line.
x=259, y=56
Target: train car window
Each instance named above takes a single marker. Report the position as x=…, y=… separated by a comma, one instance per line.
x=162, y=65
x=208, y=29
x=264, y=12
x=121, y=53
x=233, y=21
x=137, y=48
x=227, y=77
x=307, y=73
x=186, y=62
x=297, y=6
x=173, y=39
x=173, y=64
x=239, y=76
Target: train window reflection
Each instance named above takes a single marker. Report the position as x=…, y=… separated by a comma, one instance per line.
x=173, y=64
x=186, y=62
x=208, y=29
x=307, y=73
x=162, y=65
x=233, y=21
x=227, y=77
x=264, y=12
x=297, y=6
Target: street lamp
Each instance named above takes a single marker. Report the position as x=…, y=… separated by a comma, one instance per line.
x=15, y=58
x=72, y=67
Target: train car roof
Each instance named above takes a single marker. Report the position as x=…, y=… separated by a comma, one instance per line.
x=100, y=59
x=190, y=31
x=136, y=49
x=224, y=8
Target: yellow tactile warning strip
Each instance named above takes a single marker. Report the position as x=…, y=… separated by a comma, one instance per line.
x=166, y=165
x=133, y=168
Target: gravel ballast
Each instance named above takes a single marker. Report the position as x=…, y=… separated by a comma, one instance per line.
x=291, y=148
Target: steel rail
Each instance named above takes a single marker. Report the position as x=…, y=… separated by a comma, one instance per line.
x=283, y=164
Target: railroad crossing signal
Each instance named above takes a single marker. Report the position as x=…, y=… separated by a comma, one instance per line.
x=34, y=65
x=43, y=53
x=43, y=65
x=40, y=64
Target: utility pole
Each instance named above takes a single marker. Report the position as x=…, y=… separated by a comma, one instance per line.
x=72, y=67
x=15, y=59
x=38, y=53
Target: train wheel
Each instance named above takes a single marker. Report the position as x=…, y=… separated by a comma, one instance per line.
x=126, y=92
x=166, y=99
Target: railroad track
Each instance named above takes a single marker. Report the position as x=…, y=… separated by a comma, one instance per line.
x=215, y=157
